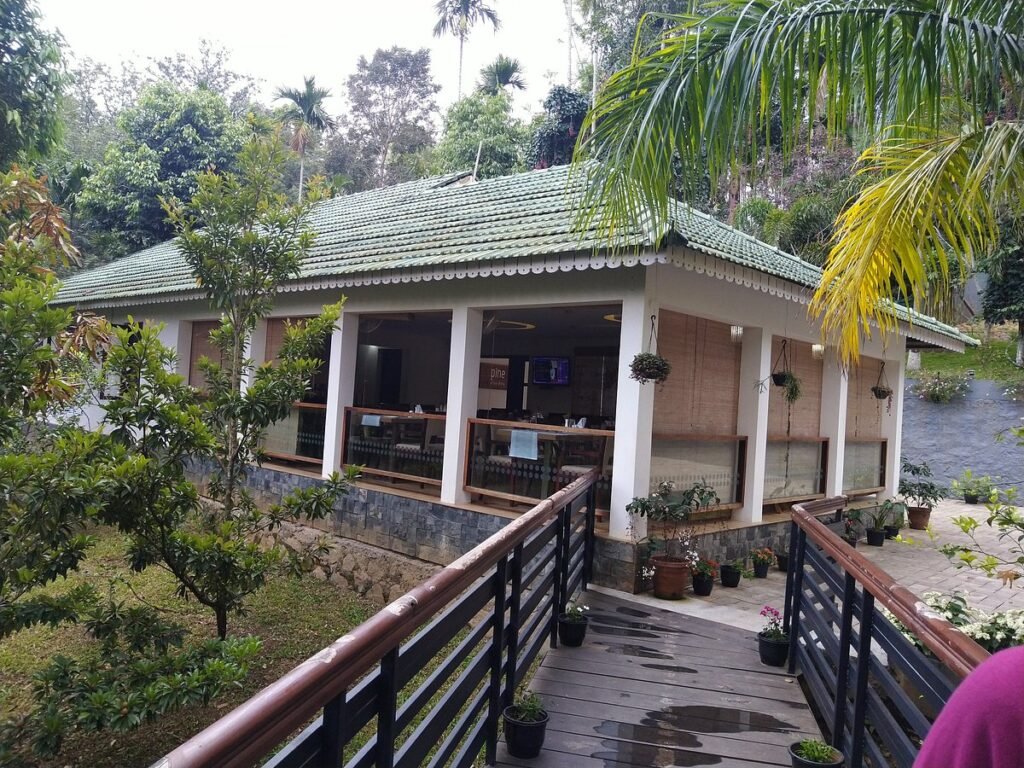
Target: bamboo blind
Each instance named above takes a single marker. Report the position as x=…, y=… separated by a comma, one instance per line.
x=802, y=418
x=701, y=394
x=201, y=347
x=275, y=338
x=863, y=410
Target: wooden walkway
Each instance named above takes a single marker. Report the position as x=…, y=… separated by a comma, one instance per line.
x=655, y=689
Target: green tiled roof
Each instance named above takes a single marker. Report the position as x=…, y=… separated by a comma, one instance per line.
x=439, y=222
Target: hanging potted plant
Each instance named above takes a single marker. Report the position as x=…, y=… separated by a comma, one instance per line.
x=772, y=641
x=782, y=375
x=526, y=722
x=650, y=366
x=882, y=390
x=572, y=625
x=703, y=576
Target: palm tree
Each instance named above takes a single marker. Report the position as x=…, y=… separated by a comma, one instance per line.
x=934, y=86
x=307, y=117
x=456, y=17
x=502, y=73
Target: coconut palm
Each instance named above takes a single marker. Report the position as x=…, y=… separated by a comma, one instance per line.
x=457, y=17
x=502, y=73
x=934, y=86
x=307, y=117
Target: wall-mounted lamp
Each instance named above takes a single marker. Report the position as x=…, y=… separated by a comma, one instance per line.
x=818, y=351
x=736, y=333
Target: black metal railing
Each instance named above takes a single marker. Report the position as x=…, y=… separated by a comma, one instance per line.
x=876, y=689
x=424, y=681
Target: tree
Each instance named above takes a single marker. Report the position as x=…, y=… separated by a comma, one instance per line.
x=457, y=17
x=947, y=139
x=307, y=118
x=242, y=240
x=615, y=27
x=500, y=74
x=482, y=125
x=168, y=139
x=208, y=70
x=31, y=83
x=391, y=104
x=555, y=135
x=1003, y=298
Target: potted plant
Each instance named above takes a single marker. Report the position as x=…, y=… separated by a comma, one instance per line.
x=920, y=492
x=811, y=752
x=732, y=573
x=525, y=722
x=674, y=541
x=974, y=489
x=897, y=518
x=851, y=518
x=762, y=559
x=782, y=560
x=649, y=366
x=703, y=576
x=882, y=390
x=876, y=533
x=772, y=641
x=782, y=375
x=572, y=625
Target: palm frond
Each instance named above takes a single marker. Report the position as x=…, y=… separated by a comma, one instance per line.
x=306, y=111
x=456, y=17
x=924, y=223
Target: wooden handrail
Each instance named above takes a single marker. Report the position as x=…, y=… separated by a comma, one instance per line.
x=385, y=412
x=254, y=728
x=585, y=431
x=953, y=648
x=693, y=437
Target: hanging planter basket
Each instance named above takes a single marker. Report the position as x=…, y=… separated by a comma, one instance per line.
x=881, y=393
x=650, y=366
x=882, y=390
x=782, y=375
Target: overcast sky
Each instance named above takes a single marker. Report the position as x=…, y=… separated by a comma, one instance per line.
x=280, y=42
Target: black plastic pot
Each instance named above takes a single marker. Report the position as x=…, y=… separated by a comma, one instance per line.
x=892, y=531
x=773, y=652
x=851, y=540
x=731, y=576
x=571, y=633
x=972, y=498
x=798, y=762
x=876, y=536
x=702, y=584
x=783, y=562
x=761, y=570
x=779, y=379
x=524, y=739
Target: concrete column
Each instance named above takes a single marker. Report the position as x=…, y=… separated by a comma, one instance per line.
x=752, y=417
x=341, y=377
x=463, y=385
x=256, y=350
x=892, y=419
x=634, y=418
x=834, y=388
x=178, y=334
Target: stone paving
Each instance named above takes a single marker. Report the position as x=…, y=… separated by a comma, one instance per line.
x=916, y=563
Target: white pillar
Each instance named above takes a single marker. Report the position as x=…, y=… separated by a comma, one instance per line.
x=834, y=389
x=256, y=350
x=892, y=420
x=341, y=377
x=634, y=418
x=178, y=334
x=752, y=417
x=463, y=384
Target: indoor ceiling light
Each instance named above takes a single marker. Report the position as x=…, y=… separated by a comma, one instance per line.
x=818, y=351
x=613, y=318
x=736, y=333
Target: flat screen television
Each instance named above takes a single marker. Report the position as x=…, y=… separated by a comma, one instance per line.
x=550, y=371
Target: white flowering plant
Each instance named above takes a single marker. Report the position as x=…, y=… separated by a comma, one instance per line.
x=576, y=613
x=992, y=631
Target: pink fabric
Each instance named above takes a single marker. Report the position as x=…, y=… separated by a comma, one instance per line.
x=982, y=724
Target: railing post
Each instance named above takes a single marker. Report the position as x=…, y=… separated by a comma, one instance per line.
x=332, y=746
x=860, y=697
x=790, y=571
x=494, y=704
x=798, y=589
x=515, y=598
x=387, y=708
x=566, y=522
x=843, y=667
x=588, y=540
x=556, y=579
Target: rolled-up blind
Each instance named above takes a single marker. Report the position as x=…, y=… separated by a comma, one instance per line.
x=863, y=410
x=802, y=418
x=201, y=347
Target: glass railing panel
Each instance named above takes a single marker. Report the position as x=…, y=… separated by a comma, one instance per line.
x=794, y=469
x=527, y=462
x=299, y=436
x=712, y=459
x=863, y=465
x=395, y=444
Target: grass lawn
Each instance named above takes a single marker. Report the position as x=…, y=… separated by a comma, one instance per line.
x=993, y=360
x=293, y=618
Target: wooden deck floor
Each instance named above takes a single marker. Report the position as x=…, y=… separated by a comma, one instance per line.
x=656, y=689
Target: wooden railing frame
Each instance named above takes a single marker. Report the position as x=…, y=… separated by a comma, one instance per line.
x=884, y=442
x=741, y=442
x=245, y=736
x=383, y=473
x=863, y=586
x=822, y=468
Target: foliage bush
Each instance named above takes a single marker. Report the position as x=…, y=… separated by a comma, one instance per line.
x=940, y=388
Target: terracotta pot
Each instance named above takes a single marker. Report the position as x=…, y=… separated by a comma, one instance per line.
x=671, y=577
x=919, y=517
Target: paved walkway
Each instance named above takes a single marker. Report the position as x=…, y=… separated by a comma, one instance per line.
x=916, y=563
x=651, y=689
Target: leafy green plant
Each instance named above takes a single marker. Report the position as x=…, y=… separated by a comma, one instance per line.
x=575, y=613
x=816, y=751
x=1004, y=517
x=981, y=486
x=672, y=511
x=895, y=511
x=648, y=366
x=527, y=708
x=706, y=567
x=917, y=487
x=940, y=388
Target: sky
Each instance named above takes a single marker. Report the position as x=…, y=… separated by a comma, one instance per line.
x=281, y=42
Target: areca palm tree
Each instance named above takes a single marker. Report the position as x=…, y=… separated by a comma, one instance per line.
x=457, y=17
x=935, y=87
x=503, y=72
x=307, y=117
